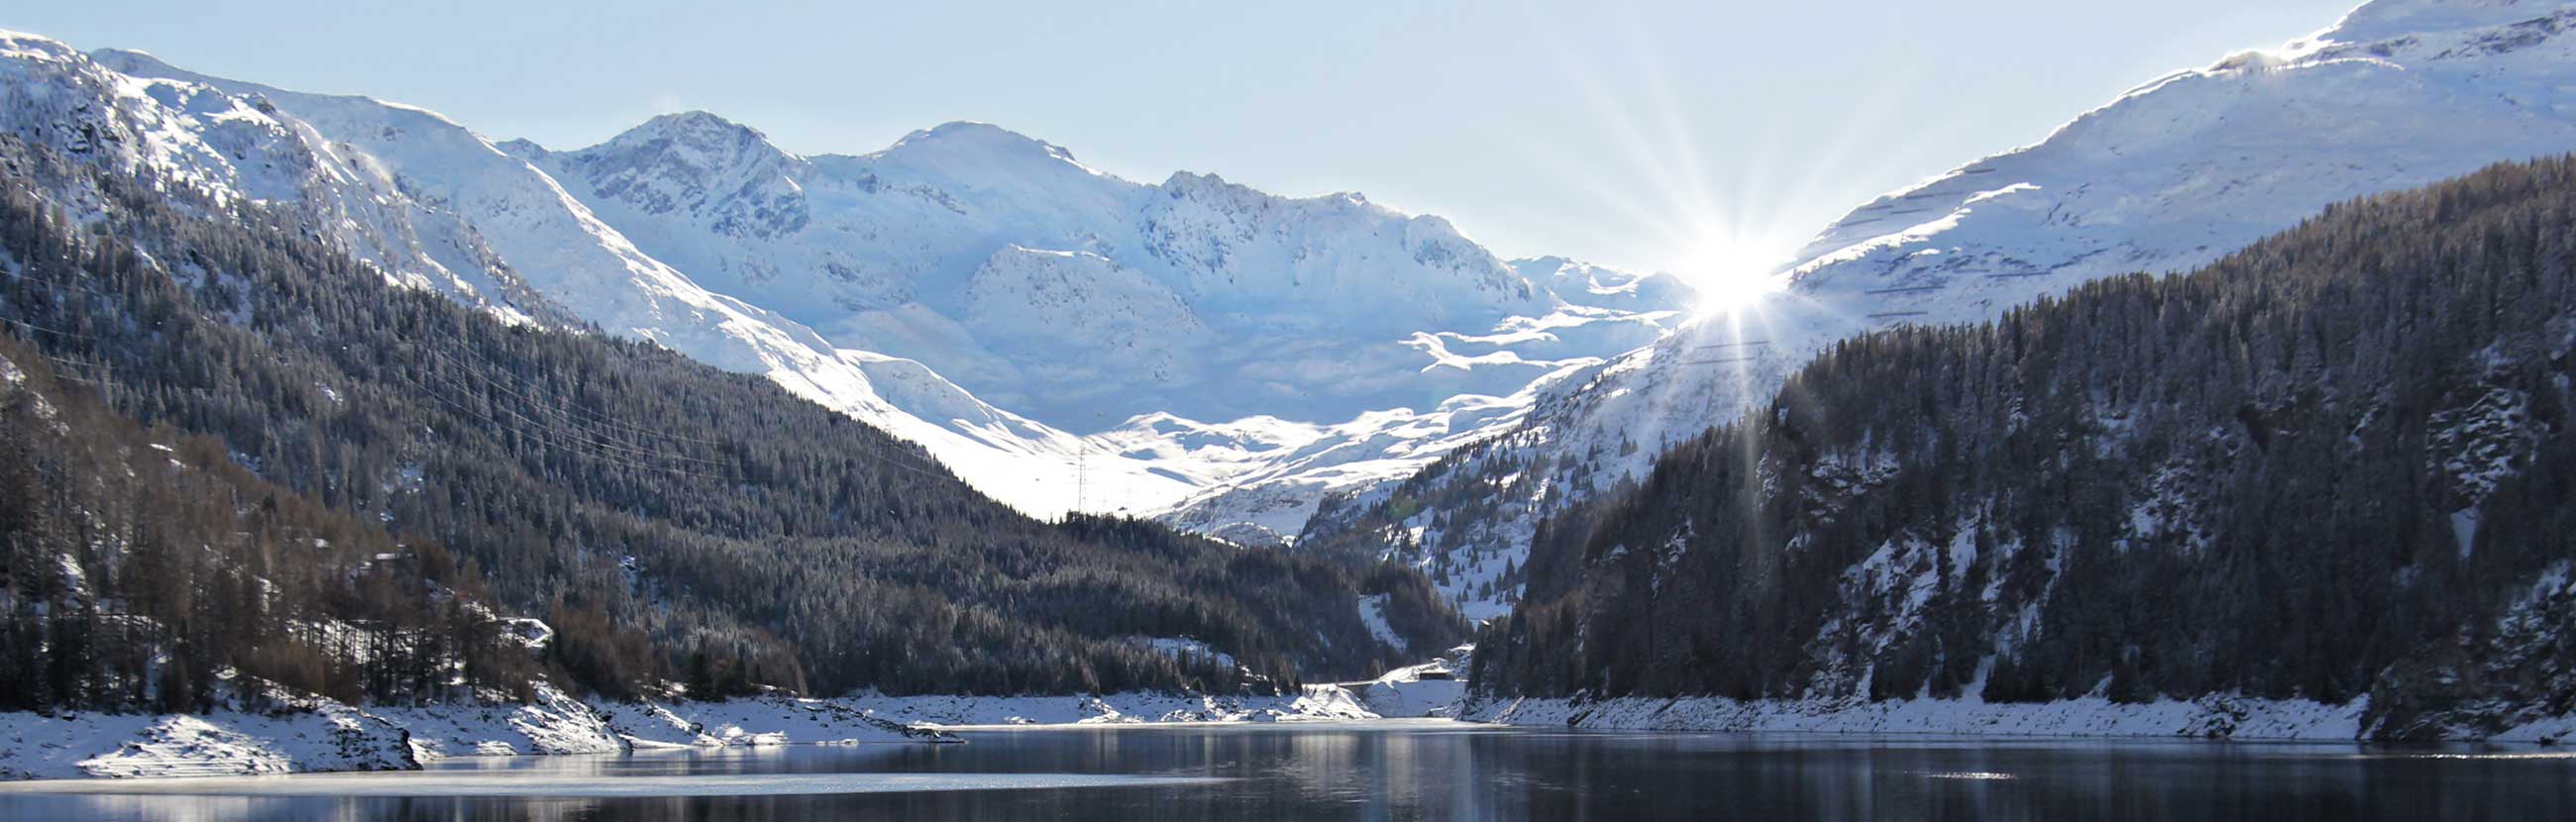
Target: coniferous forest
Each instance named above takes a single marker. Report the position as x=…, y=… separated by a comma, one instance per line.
x=2334, y=465
x=141, y=561
x=239, y=448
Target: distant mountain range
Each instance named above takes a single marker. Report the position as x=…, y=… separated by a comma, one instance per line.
x=1048, y=330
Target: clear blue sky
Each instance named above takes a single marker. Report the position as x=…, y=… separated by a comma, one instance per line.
x=1646, y=133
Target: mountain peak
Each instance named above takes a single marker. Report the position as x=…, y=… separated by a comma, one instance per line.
x=139, y=63
x=522, y=148
x=969, y=140
x=1191, y=183
x=697, y=130
x=2386, y=19
x=19, y=45
x=697, y=120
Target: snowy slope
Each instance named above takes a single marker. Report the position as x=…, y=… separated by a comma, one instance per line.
x=2167, y=177
x=599, y=276
x=437, y=206
x=1210, y=343
x=1081, y=299
x=243, y=148
x=1255, y=350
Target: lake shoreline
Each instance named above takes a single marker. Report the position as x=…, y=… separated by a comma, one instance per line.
x=312, y=735
x=1406, y=768
x=326, y=736
x=2214, y=717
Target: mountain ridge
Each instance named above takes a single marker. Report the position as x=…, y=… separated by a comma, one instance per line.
x=2331, y=466
x=856, y=287
x=670, y=520
x=2171, y=175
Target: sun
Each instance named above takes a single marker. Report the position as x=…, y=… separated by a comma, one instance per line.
x=1731, y=276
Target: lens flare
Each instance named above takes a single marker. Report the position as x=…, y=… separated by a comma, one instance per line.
x=1721, y=200
x=1731, y=275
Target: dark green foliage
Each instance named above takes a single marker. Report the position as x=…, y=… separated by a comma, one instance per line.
x=1414, y=609
x=138, y=566
x=678, y=522
x=2242, y=479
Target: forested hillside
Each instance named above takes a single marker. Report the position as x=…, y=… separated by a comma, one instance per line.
x=673, y=522
x=2166, y=178
x=142, y=566
x=2334, y=465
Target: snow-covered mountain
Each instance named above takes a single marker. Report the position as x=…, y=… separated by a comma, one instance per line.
x=1070, y=295
x=2167, y=177
x=1045, y=329
x=244, y=148
x=1261, y=350
x=438, y=206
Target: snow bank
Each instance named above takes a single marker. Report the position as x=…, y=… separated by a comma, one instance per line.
x=1315, y=703
x=321, y=735
x=764, y=720
x=553, y=723
x=1434, y=688
x=231, y=743
x=2212, y=717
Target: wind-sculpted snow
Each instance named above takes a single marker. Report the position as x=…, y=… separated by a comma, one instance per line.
x=2167, y=177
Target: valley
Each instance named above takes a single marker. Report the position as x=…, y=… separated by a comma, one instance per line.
x=338, y=434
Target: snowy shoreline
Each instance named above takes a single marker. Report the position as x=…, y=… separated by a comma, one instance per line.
x=328, y=736
x=2217, y=717
x=321, y=735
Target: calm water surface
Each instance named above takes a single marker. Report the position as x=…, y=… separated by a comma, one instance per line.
x=1402, y=770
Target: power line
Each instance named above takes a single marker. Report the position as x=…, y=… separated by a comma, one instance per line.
x=547, y=434
x=54, y=331
x=532, y=433
x=569, y=413
x=59, y=287
x=590, y=437
x=461, y=345
x=594, y=440
x=93, y=369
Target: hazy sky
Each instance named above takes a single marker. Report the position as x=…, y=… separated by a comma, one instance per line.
x=1680, y=135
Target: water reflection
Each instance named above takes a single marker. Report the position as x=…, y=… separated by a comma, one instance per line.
x=1449, y=771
